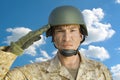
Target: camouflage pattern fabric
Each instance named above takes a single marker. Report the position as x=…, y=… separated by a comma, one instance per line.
x=6, y=60
x=53, y=70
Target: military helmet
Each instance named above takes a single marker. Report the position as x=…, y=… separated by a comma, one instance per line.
x=64, y=15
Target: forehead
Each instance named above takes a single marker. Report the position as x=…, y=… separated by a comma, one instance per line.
x=70, y=26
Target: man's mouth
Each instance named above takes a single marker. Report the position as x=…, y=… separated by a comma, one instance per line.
x=67, y=45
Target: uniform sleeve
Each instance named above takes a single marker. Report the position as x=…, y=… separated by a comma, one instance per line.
x=6, y=60
x=106, y=72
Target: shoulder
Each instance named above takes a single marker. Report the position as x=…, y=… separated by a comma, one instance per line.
x=30, y=71
x=91, y=63
x=99, y=67
x=37, y=65
x=33, y=68
x=95, y=64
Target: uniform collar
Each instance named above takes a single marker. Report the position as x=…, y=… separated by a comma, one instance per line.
x=55, y=66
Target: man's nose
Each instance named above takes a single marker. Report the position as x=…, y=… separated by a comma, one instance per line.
x=67, y=36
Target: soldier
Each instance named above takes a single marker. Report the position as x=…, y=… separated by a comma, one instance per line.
x=68, y=30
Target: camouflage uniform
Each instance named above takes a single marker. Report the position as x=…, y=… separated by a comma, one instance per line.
x=51, y=70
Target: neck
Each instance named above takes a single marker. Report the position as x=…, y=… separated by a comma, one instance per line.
x=71, y=62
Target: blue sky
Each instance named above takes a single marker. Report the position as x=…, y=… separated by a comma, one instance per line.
x=18, y=17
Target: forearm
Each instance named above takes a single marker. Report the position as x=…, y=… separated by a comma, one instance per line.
x=6, y=60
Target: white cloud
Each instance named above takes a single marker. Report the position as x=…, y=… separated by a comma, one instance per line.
x=95, y=52
x=18, y=32
x=44, y=56
x=40, y=59
x=117, y=1
x=116, y=72
x=97, y=31
x=54, y=52
x=118, y=49
x=32, y=49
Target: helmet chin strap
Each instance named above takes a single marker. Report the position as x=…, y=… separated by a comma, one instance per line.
x=68, y=52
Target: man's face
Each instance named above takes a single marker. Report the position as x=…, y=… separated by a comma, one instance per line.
x=67, y=37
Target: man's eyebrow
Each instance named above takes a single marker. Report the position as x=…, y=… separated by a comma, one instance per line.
x=73, y=27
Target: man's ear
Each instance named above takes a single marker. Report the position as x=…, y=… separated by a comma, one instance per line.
x=81, y=36
x=53, y=40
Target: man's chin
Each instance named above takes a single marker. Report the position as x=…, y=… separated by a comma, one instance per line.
x=67, y=49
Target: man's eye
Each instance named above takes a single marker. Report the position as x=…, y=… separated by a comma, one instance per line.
x=73, y=30
x=59, y=31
